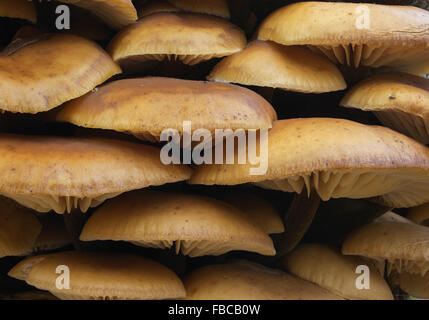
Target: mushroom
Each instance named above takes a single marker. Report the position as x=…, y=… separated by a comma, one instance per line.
x=97, y=276
x=145, y=107
x=18, y=9
x=116, y=13
x=245, y=280
x=405, y=246
x=39, y=74
x=352, y=34
x=392, y=217
x=187, y=37
x=268, y=64
x=337, y=158
x=399, y=100
x=195, y=225
x=328, y=268
x=156, y=6
x=19, y=229
x=419, y=214
x=61, y=174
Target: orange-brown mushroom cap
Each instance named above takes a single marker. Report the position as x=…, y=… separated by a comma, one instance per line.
x=352, y=33
x=188, y=37
x=116, y=13
x=18, y=9
x=101, y=276
x=245, y=280
x=399, y=100
x=54, y=173
x=337, y=158
x=195, y=225
x=145, y=107
x=42, y=74
x=419, y=214
x=268, y=64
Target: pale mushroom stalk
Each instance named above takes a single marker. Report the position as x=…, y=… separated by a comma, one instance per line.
x=297, y=221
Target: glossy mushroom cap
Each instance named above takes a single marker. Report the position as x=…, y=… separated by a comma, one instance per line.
x=328, y=268
x=336, y=158
x=18, y=9
x=352, y=33
x=61, y=174
x=399, y=100
x=404, y=245
x=40, y=74
x=245, y=280
x=195, y=225
x=187, y=37
x=268, y=64
x=145, y=107
x=96, y=276
x=19, y=229
x=116, y=13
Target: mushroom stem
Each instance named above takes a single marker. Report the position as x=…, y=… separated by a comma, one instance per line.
x=74, y=222
x=297, y=221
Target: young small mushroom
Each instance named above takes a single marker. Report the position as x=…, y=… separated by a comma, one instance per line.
x=101, y=276
x=195, y=225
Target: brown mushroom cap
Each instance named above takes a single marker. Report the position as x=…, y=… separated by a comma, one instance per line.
x=328, y=268
x=337, y=158
x=415, y=285
x=188, y=37
x=19, y=229
x=145, y=107
x=195, y=225
x=260, y=210
x=43, y=74
x=404, y=245
x=156, y=6
x=268, y=64
x=18, y=9
x=392, y=217
x=97, y=276
x=54, y=173
x=245, y=280
x=116, y=13
x=396, y=35
x=399, y=100
x=418, y=68
x=420, y=214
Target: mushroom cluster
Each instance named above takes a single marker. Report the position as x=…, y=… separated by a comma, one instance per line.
x=214, y=150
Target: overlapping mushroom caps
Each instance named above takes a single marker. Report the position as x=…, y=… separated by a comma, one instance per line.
x=419, y=214
x=268, y=64
x=146, y=107
x=337, y=158
x=352, y=33
x=40, y=74
x=260, y=210
x=187, y=37
x=19, y=229
x=96, y=276
x=405, y=246
x=399, y=100
x=244, y=280
x=195, y=225
x=18, y=9
x=61, y=174
x=116, y=13
x=213, y=7
x=328, y=268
